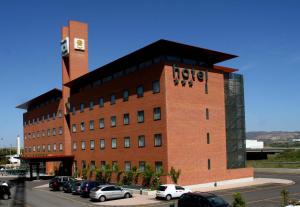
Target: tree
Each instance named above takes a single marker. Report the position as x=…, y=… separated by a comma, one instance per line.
x=107, y=173
x=118, y=172
x=238, y=200
x=147, y=175
x=174, y=174
x=284, y=197
x=98, y=174
x=84, y=173
x=136, y=175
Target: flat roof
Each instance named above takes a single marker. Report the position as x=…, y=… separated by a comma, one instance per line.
x=41, y=98
x=156, y=49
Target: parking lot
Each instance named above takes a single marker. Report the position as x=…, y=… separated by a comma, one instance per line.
x=262, y=195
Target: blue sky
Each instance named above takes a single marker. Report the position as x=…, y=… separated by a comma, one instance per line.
x=264, y=34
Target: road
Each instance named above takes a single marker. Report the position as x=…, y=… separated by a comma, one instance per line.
x=256, y=196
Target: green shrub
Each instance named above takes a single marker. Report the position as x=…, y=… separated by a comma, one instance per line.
x=174, y=174
x=238, y=200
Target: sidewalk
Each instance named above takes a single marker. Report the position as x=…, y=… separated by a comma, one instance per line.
x=277, y=170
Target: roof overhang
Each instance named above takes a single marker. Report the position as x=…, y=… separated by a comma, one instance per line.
x=41, y=158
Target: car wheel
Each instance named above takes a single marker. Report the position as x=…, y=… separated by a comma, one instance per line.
x=127, y=195
x=5, y=196
x=102, y=198
x=168, y=197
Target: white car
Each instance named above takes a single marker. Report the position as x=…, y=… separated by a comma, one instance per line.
x=170, y=191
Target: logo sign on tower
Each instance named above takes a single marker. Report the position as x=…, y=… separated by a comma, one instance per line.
x=79, y=44
x=64, y=47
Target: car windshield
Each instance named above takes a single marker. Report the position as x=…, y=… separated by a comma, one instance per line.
x=95, y=188
x=216, y=201
x=162, y=188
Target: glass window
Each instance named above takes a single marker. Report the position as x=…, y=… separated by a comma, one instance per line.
x=54, y=131
x=114, y=164
x=38, y=148
x=60, y=147
x=48, y=117
x=43, y=133
x=140, y=116
x=155, y=86
x=54, y=115
x=81, y=107
x=48, y=132
x=113, y=121
x=60, y=130
x=83, y=145
x=126, y=119
x=49, y=148
x=54, y=147
x=158, y=167
x=141, y=166
x=74, y=146
x=127, y=166
x=44, y=148
x=91, y=105
x=102, y=164
x=114, y=143
x=157, y=140
x=112, y=99
x=82, y=127
x=156, y=113
x=102, y=144
x=73, y=110
x=73, y=128
x=208, y=138
x=126, y=142
x=125, y=95
x=207, y=114
x=59, y=114
x=141, y=141
x=91, y=124
x=101, y=102
x=92, y=144
x=101, y=123
x=140, y=91
x=93, y=165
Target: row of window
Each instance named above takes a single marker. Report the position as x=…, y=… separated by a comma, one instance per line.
x=43, y=118
x=113, y=120
x=157, y=140
x=43, y=148
x=44, y=133
x=127, y=165
x=125, y=95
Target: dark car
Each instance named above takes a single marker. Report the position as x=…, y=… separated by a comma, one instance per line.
x=86, y=187
x=67, y=186
x=57, y=182
x=76, y=188
x=4, y=192
x=198, y=199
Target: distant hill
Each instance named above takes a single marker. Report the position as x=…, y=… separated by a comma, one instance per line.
x=273, y=136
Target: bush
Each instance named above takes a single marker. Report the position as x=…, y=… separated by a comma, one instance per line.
x=238, y=200
x=84, y=173
x=107, y=173
x=174, y=174
x=147, y=175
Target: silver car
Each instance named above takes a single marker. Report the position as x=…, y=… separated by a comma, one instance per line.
x=106, y=192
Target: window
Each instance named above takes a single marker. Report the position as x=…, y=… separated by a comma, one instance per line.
x=54, y=147
x=101, y=102
x=208, y=164
x=140, y=91
x=73, y=128
x=141, y=141
x=126, y=142
x=113, y=143
x=125, y=95
x=127, y=166
x=157, y=140
x=43, y=133
x=102, y=144
x=93, y=165
x=38, y=148
x=112, y=99
x=102, y=165
x=140, y=116
x=48, y=132
x=207, y=114
x=208, y=138
x=126, y=119
x=101, y=123
x=155, y=86
x=60, y=130
x=83, y=145
x=60, y=147
x=156, y=113
x=81, y=107
x=49, y=148
x=74, y=146
x=83, y=164
x=73, y=110
x=91, y=105
x=59, y=114
x=53, y=115
x=141, y=166
x=113, y=121
x=54, y=131
x=92, y=144
x=158, y=167
x=114, y=164
x=44, y=148
x=48, y=117
x=91, y=124
x=82, y=127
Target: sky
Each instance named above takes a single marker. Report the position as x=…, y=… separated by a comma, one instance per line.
x=263, y=33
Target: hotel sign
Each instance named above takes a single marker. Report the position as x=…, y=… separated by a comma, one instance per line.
x=186, y=75
x=79, y=44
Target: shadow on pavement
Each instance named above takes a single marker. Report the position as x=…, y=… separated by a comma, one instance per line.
x=19, y=197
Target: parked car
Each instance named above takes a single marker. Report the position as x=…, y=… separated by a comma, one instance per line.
x=4, y=192
x=198, y=199
x=67, y=186
x=86, y=187
x=76, y=187
x=170, y=191
x=106, y=192
x=56, y=183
